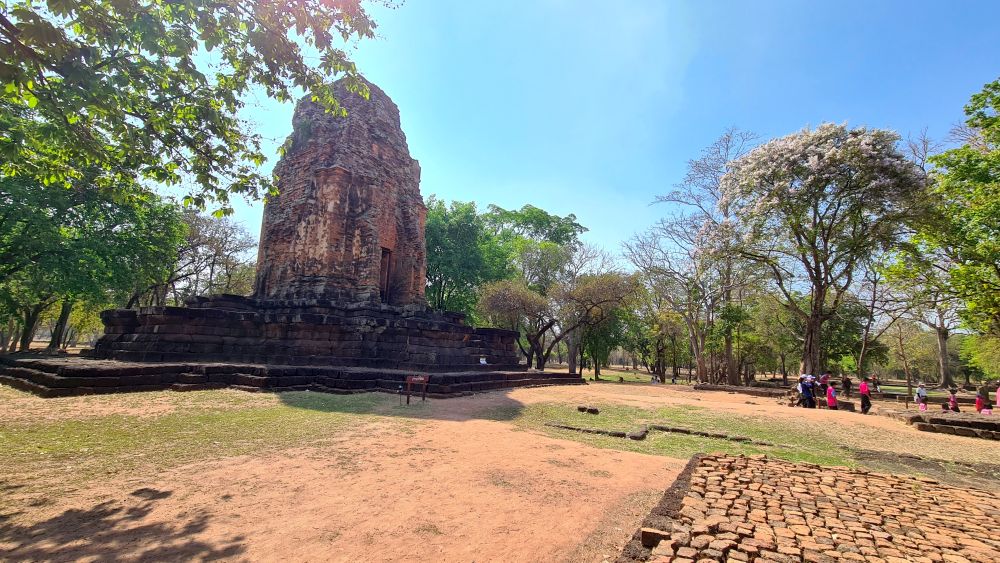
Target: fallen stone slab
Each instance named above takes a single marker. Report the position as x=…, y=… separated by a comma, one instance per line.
x=639, y=434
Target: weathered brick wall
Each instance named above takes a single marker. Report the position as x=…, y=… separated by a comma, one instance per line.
x=348, y=189
x=304, y=333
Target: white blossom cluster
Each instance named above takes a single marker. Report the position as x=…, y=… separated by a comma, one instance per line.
x=826, y=185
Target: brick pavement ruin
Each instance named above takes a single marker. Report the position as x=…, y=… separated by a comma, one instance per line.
x=736, y=508
x=339, y=297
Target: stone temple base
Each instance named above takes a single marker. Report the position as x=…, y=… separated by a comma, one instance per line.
x=254, y=345
x=63, y=377
x=241, y=330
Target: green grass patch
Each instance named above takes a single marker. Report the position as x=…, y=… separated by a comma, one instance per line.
x=935, y=393
x=210, y=425
x=791, y=441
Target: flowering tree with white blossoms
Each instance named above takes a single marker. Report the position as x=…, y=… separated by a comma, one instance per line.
x=812, y=206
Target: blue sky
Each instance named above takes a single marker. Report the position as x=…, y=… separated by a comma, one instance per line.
x=594, y=108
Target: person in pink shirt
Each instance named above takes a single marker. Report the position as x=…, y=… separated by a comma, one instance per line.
x=953, y=401
x=831, y=398
x=866, y=396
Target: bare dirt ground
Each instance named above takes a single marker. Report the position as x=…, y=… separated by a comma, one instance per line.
x=445, y=489
x=447, y=485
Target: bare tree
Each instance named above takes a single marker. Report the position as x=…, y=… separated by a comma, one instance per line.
x=923, y=279
x=676, y=270
x=699, y=198
x=883, y=303
x=216, y=257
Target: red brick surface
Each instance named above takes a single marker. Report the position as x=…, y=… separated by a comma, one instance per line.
x=348, y=188
x=761, y=509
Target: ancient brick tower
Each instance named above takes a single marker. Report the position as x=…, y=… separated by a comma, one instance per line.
x=348, y=224
x=339, y=300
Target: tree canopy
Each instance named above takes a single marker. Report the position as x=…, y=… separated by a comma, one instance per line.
x=154, y=89
x=79, y=244
x=966, y=226
x=816, y=203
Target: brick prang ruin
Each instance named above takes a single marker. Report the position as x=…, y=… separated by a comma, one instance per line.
x=339, y=296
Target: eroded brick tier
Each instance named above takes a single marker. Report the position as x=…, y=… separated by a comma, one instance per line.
x=340, y=271
x=339, y=290
x=304, y=332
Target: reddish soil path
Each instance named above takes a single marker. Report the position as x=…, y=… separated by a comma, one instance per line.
x=413, y=490
x=446, y=486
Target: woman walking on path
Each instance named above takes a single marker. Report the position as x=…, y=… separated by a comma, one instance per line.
x=845, y=386
x=866, y=396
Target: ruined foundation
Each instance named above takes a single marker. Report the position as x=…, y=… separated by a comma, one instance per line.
x=339, y=298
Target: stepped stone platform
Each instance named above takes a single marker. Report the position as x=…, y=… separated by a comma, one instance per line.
x=62, y=377
x=234, y=329
x=338, y=302
x=735, y=508
x=970, y=424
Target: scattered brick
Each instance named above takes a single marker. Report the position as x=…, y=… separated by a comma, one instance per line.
x=760, y=509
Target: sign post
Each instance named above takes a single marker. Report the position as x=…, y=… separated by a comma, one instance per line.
x=412, y=380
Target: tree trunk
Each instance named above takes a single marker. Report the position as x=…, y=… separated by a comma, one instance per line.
x=784, y=370
x=732, y=371
x=7, y=339
x=947, y=379
x=527, y=353
x=59, y=332
x=861, y=357
x=539, y=359
x=811, y=346
x=673, y=358
x=31, y=315
x=572, y=347
x=906, y=366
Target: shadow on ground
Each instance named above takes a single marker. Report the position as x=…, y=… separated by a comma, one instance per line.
x=491, y=405
x=113, y=531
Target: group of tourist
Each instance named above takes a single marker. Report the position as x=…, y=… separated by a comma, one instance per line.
x=982, y=404
x=810, y=388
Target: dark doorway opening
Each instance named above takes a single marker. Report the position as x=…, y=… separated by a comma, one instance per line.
x=383, y=278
